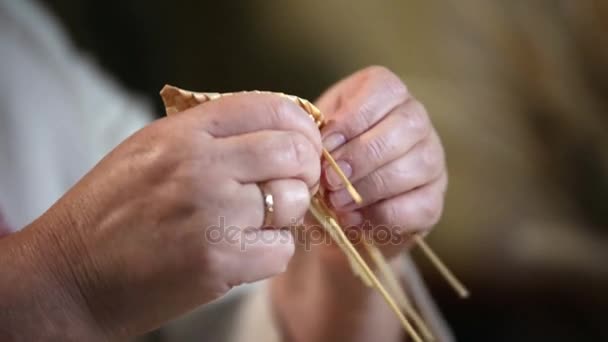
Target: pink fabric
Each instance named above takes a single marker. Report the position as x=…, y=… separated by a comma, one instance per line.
x=4, y=228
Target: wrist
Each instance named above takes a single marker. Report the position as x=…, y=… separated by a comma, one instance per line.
x=320, y=295
x=64, y=256
x=43, y=296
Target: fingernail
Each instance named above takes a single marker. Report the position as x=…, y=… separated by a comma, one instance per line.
x=333, y=141
x=340, y=199
x=332, y=177
x=354, y=218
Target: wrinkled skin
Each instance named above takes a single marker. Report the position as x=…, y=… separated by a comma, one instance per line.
x=383, y=139
x=134, y=232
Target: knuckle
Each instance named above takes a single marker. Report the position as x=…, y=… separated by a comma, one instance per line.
x=298, y=199
x=298, y=148
x=378, y=183
x=282, y=109
x=388, y=79
x=184, y=195
x=432, y=158
x=376, y=148
x=277, y=149
x=430, y=208
x=417, y=120
x=395, y=87
x=377, y=71
x=286, y=113
x=294, y=153
x=361, y=120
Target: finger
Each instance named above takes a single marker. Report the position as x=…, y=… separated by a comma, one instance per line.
x=391, y=138
x=421, y=165
x=244, y=206
x=265, y=155
x=261, y=253
x=291, y=199
x=364, y=99
x=414, y=211
x=248, y=112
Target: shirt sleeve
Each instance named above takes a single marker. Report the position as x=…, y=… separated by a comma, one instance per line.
x=59, y=112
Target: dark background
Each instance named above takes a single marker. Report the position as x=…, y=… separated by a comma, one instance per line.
x=202, y=45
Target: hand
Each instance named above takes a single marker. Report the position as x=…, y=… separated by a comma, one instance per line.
x=382, y=138
x=384, y=142
x=139, y=234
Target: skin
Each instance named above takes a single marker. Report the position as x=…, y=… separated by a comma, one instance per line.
x=130, y=246
x=395, y=159
x=127, y=249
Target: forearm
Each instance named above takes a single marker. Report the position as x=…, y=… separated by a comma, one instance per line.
x=318, y=302
x=40, y=299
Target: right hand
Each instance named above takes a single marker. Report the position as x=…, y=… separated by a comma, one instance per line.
x=135, y=230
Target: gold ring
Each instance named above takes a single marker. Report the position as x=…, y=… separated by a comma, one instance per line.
x=268, y=206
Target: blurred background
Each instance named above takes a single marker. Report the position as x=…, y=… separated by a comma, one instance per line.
x=517, y=89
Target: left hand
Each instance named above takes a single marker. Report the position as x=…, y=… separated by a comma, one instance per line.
x=384, y=141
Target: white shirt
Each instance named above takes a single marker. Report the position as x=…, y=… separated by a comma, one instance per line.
x=59, y=114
